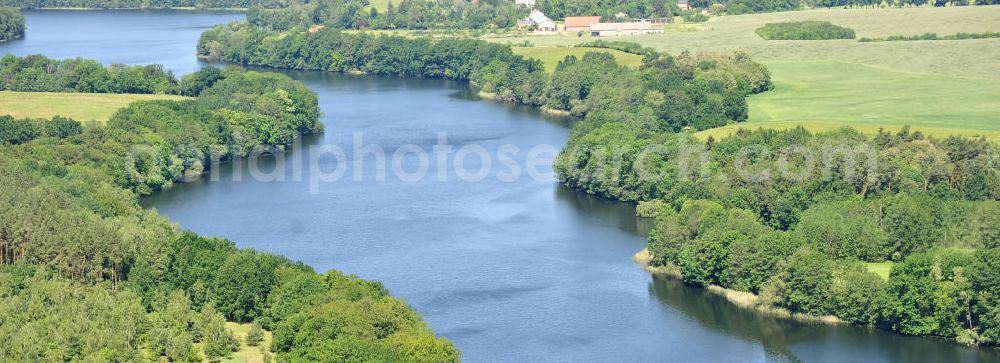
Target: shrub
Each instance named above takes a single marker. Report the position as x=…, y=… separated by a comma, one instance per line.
x=255, y=335
x=649, y=209
x=804, y=30
x=627, y=47
x=933, y=36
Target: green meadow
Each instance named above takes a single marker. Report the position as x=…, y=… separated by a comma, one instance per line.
x=551, y=56
x=881, y=269
x=77, y=106
x=939, y=87
x=823, y=95
x=246, y=353
x=382, y=5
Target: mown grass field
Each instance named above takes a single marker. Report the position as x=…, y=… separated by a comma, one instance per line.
x=941, y=87
x=817, y=96
x=78, y=106
x=382, y=5
x=551, y=56
x=881, y=269
x=247, y=354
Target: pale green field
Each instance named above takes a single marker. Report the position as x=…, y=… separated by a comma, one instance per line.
x=828, y=95
x=381, y=5
x=247, y=354
x=880, y=268
x=941, y=87
x=78, y=106
x=551, y=56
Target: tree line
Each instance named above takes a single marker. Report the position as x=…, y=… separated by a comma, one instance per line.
x=804, y=30
x=932, y=36
x=87, y=274
x=608, y=9
x=37, y=73
x=400, y=14
x=736, y=7
x=142, y=4
x=899, y=3
x=431, y=14
x=11, y=24
x=627, y=47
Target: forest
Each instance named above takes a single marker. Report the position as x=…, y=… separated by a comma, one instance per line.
x=11, y=24
x=129, y=285
x=796, y=217
x=142, y=4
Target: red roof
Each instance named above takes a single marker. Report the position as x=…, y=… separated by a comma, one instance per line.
x=581, y=21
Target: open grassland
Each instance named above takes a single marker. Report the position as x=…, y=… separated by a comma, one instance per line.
x=826, y=95
x=940, y=87
x=551, y=56
x=78, y=106
x=881, y=269
x=248, y=354
x=382, y=5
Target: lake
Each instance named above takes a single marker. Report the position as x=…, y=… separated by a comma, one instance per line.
x=509, y=268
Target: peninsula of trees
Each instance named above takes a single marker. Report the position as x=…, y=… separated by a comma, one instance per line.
x=798, y=218
x=86, y=274
x=11, y=24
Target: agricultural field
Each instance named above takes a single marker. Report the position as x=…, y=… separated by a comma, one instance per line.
x=78, y=106
x=551, y=56
x=823, y=95
x=940, y=87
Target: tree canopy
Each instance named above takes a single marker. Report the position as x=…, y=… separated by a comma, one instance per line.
x=11, y=24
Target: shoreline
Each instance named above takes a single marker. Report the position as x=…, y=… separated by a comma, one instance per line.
x=552, y=111
x=741, y=299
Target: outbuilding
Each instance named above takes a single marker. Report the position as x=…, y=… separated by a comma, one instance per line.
x=537, y=21
x=617, y=29
x=581, y=23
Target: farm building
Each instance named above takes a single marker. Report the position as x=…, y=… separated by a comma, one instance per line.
x=616, y=29
x=683, y=5
x=537, y=21
x=581, y=23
